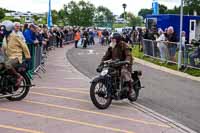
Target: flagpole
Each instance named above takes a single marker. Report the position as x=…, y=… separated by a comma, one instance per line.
x=49, y=17
x=181, y=28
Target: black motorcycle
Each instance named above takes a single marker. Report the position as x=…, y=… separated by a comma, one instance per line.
x=110, y=86
x=7, y=83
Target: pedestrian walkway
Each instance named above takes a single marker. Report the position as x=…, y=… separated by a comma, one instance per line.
x=60, y=102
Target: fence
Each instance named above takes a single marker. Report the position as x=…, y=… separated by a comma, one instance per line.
x=69, y=37
x=39, y=55
x=168, y=52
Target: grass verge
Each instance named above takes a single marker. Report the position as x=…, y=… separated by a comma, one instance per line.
x=140, y=55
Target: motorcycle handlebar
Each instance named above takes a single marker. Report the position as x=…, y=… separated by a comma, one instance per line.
x=116, y=62
x=112, y=63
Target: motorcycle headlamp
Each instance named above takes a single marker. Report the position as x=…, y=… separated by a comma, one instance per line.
x=104, y=72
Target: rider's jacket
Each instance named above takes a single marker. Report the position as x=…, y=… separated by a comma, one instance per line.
x=120, y=51
x=14, y=47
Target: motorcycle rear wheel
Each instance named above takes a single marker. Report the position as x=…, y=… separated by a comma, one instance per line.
x=25, y=89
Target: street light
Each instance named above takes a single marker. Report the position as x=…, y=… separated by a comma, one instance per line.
x=181, y=28
x=124, y=6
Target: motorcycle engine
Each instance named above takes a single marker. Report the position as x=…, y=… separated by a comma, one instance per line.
x=6, y=83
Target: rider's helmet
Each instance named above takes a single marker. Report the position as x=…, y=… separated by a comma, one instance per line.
x=7, y=27
x=117, y=37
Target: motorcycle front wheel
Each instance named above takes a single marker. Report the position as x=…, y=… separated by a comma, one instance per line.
x=99, y=95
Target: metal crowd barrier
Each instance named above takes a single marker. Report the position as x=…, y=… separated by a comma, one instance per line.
x=69, y=38
x=163, y=51
x=39, y=55
x=52, y=43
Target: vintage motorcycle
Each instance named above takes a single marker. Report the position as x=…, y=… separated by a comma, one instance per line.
x=7, y=83
x=110, y=86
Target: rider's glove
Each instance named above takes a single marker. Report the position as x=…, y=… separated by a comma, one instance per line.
x=99, y=69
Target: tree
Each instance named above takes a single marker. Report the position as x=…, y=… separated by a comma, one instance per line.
x=54, y=16
x=36, y=18
x=162, y=9
x=44, y=19
x=103, y=14
x=79, y=14
x=2, y=14
x=87, y=13
x=144, y=12
x=122, y=15
x=193, y=5
x=62, y=16
x=133, y=20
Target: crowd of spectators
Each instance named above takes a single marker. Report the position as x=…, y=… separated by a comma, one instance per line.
x=156, y=42
x=164, y=44
x=39, y=35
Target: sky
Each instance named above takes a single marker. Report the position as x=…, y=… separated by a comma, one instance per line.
x=40, y=6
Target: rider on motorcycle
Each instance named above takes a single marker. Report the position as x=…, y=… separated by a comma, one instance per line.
x=120, y=50
x=13, y=47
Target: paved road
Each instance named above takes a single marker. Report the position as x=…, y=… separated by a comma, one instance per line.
x=175, y=97
x=60, y=103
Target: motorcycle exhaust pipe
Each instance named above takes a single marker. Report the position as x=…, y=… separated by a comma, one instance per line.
x=8, y=95
x=4, y=96
x=26, y=86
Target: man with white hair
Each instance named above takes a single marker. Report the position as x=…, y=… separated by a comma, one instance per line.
x=17, y=31
x=172, y=43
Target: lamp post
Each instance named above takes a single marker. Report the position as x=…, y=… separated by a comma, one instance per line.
x=124, y=6
x=181, y=28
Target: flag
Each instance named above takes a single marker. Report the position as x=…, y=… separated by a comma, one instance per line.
x=155, y=7
x=49, y=17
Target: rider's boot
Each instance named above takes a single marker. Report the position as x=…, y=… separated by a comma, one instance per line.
x=131, y=91
x=19, y=76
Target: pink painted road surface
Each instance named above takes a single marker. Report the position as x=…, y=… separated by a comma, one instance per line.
x=60, y=103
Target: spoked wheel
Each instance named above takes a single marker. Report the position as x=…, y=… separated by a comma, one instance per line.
x=99, y=95
x=21, y=92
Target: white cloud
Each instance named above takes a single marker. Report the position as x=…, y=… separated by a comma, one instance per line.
x=114, y=5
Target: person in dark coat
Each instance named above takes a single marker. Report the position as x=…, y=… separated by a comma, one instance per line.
x=120, y=50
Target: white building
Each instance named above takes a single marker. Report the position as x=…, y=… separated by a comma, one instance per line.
x=120, y=21
x=26, y=14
